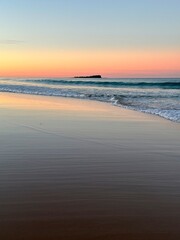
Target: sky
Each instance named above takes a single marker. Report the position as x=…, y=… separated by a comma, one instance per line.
x=114, y=38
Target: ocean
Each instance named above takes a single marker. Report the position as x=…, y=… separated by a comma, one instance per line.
x=158, y=96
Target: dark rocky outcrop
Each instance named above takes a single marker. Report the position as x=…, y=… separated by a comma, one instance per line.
x=92, y=76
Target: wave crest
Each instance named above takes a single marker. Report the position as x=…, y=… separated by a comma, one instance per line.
x=115, y=84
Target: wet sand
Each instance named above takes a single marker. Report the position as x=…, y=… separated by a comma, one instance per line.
x=76, y=169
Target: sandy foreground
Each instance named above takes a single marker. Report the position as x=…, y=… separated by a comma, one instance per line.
x=77, y=169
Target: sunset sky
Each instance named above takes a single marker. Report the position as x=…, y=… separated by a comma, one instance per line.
x=115, y=38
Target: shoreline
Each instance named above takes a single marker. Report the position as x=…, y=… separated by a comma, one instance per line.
x=110, y=105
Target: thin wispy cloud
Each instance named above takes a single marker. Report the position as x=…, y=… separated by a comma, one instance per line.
x=11, y=42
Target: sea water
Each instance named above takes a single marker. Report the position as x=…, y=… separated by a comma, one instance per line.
x=159, y=96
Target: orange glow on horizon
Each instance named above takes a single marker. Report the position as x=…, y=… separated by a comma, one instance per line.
x=43, y=63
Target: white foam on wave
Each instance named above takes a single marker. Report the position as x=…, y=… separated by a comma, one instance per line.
x=173, y=115
x=165, y=104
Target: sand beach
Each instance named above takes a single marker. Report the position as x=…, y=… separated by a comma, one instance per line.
x=79, y=169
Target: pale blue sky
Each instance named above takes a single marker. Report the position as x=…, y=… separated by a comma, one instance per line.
x=75, y=24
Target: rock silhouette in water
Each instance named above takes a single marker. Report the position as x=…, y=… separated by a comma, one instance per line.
x=92, y=76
